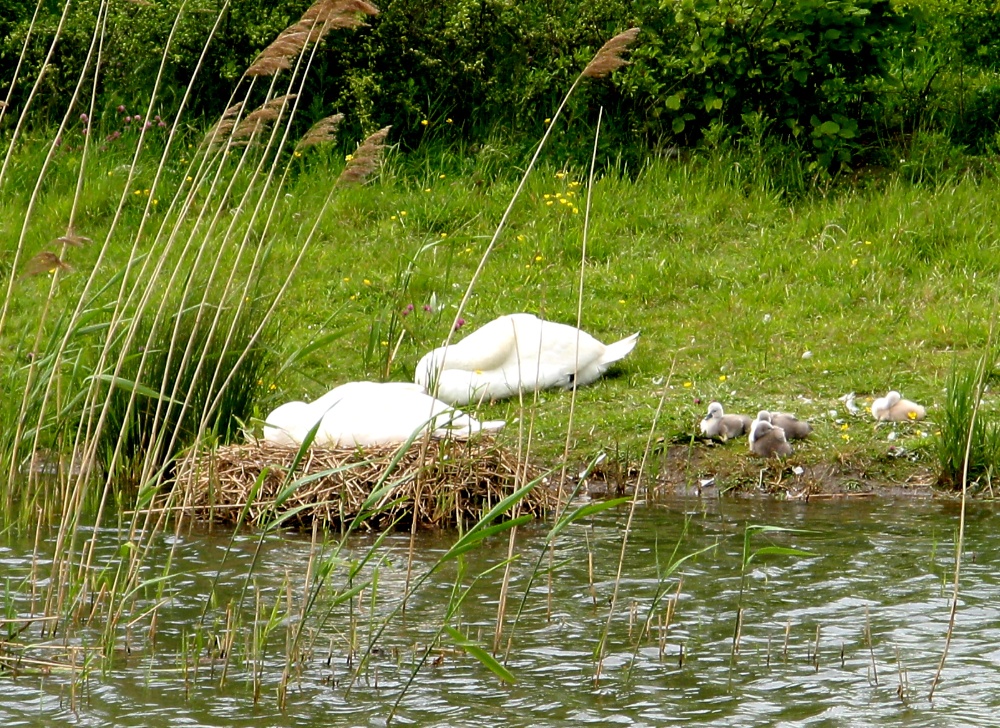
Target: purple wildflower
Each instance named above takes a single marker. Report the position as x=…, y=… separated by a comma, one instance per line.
x=427, y=308
x=137, y=117
x=128, y=119
x=83, y=118
x=121, y=108
x=459, y=324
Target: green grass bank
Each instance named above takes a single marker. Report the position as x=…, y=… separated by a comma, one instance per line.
x=742, y=293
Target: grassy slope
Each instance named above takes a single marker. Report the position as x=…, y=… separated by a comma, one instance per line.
x=731, y=281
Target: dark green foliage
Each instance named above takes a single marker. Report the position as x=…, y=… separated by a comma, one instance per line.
x=838, y=79
x=964, y=387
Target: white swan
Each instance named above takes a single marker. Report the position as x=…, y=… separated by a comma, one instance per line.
x=895, y=409
x=718, y=424
x=517, y=353
x=368, y=414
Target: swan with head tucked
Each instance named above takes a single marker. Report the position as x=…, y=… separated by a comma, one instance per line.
x=718, y=424
x=370, y=414
x=517, y=353
x=893, y=408
x=769, y=440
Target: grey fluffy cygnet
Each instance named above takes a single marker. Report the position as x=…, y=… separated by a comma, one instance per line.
x=769, y=441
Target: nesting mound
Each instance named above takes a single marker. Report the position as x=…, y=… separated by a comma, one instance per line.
x=441, y=483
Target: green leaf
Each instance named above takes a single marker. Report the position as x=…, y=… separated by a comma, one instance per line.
x=674, y=102
x=678, y=125
x=484, y=657
x=829, y=128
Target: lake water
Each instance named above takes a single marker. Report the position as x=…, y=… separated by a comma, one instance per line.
x=878, y=565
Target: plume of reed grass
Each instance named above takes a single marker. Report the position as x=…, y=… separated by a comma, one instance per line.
x=323, y=131
x=321, y=17
x=366, y=159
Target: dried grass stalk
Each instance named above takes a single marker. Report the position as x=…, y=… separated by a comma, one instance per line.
x=322, y=17
x=322, y=132
x=444, y=483
x=609, y=57
x=365, y=159
x=44, y=262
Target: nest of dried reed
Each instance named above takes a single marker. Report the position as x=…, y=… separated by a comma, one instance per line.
x=441, y=483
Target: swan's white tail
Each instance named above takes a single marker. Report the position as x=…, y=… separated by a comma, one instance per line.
x=619, y=349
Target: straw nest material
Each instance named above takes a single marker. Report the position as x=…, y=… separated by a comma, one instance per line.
x=444, y=481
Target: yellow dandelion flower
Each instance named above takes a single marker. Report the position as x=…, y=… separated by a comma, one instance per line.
x=402, y=213
x=137, y=192
x=354, y=297
x=521, y=238
x=845, y=437
x=260, y=382
x=538, y=258
x=911, y=415
x=366, y=282
x=272, y=387
x=560, y=175
x=385, y=343
x=621, y=301
x=468, y=250
x=547, y=120
x=558, y=195
x=687, y=385
x=845, y=426
x=574, y=183
x=189, y=179
x=392, y=217
x=427, y=189
x=155, y=202
x=854, y=262
x=146, y=192
x=349, y=157
x=570, y=193
x=296, y=154
x=110, y=172
x=347, y=279
x=448, y=120
x=576, y=210
x=444, y=235
x=722, y=377
x=868, y=242
x=441, y=176
x=424, y=122
x=549, y=202
x=546, y=196
x=527, y=265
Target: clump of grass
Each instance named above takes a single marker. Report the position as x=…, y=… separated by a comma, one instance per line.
x=153, y=425
x=969, y=443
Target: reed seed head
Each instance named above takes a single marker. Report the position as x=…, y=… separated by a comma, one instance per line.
x=608, y=58
x=366, y=159
x=321, y=17
x=322, y=132
x=44, y=262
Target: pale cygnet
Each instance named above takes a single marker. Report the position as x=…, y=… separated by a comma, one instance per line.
x=795, y=429
x=892, y=408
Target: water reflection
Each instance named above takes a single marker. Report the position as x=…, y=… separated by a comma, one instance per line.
x=804, y=655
